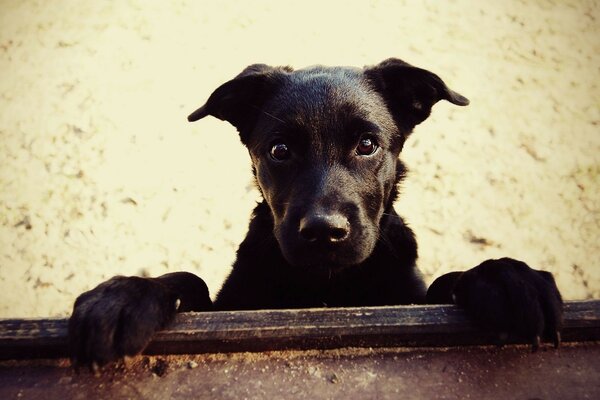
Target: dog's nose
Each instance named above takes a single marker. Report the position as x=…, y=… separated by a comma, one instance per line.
x=326, y=228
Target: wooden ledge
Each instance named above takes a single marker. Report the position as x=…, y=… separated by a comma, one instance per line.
x=324, y=328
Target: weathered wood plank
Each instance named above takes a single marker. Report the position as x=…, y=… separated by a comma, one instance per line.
x=423, y=325
x=471, y=372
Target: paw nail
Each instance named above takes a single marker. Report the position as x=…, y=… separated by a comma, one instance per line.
x=128, y=361
x=536, y=344
x=177, y=304
x=75, y=364
x=557, y=340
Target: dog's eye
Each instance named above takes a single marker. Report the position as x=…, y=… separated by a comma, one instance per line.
x=280, y=152
x=366, y=146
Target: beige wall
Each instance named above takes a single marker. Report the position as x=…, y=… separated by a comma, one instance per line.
x=100, y=174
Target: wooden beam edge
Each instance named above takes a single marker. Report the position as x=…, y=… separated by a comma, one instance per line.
x=326, y=328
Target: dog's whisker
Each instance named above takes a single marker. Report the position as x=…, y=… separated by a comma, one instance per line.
x=383, y=237
x=392, y=215
x=269, y=114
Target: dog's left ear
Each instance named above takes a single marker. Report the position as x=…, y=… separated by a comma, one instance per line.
x=240, y=100
x=410, y=92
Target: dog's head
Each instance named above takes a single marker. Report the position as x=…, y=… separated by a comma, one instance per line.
x=324, y=143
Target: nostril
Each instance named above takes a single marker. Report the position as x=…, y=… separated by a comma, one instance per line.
x=337, y=234
x=308, y=233
x=325, y=228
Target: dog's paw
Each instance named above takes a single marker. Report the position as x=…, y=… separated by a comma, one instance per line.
x=118, y=318
x=513, y=299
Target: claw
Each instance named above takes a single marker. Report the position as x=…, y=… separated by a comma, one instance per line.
x=557, y=339
x=502, y=339
x=536, y=344
x=95, y=368
x=128, y=361
x=76, y=365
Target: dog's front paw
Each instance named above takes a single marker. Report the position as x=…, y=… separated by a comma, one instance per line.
x=513, y=299
x=117, y=318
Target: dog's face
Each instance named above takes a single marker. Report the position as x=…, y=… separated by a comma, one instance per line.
x=324, y=143
x=325, y=153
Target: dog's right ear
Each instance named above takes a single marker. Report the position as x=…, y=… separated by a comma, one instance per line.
x=240, y=100
x=410, y=92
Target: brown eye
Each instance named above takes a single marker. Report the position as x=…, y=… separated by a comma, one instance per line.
x=280, y=152
x=366, y=146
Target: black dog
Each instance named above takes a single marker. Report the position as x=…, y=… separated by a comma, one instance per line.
x=324, y=144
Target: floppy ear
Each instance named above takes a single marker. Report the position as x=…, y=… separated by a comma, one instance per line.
x=240, y=100
x=410, y=92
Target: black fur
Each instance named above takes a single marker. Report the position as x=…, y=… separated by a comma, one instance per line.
x=324, y=144
x=119, y=316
